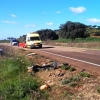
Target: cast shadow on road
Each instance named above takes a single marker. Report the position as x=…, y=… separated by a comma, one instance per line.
x=45, y=47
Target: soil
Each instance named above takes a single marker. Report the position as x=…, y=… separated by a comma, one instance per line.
x=86, y=88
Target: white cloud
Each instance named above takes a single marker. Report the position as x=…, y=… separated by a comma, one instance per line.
x=58, y=12
x=78, y=9
x=12, y=15
x=9, y=22
x=49, y=24
x=30, y=25
x=93, y=20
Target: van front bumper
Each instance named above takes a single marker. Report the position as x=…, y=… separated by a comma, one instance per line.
x=36, y=45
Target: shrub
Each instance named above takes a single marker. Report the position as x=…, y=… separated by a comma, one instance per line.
x=65, y=67
x=72, y=81
x=72, y=69
x=65, y=81
x=84, y=74
x=76, y=78
x=73, y=84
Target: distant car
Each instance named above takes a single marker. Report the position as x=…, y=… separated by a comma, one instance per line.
x=14, y=42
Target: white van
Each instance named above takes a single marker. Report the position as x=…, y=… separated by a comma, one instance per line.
x=33, y=40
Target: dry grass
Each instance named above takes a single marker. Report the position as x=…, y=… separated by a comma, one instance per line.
x=92, y=45
x=9, y=51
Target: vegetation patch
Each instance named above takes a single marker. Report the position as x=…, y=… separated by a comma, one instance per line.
x=73, y=84
x=65, y=81
x=72, y=69
x=72, y=81
x=84, y=74
x=15, y=82
x=65, y=67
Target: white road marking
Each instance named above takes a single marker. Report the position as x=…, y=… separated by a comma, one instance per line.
x=71, y=58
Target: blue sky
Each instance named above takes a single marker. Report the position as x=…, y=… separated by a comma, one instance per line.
x=19, y=17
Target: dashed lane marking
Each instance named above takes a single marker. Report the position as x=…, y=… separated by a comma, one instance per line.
x=71, y=58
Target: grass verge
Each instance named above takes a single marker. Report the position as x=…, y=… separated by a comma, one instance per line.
x=15, y=82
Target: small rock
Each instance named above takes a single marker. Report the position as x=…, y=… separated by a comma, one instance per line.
x=30, y=70
x=44, y=87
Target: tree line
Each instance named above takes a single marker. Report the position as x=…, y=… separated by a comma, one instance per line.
x=68, y=30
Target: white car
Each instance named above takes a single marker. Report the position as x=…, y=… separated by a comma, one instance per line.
x=14, y=42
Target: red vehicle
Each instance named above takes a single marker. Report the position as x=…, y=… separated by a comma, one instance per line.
x=23, y=44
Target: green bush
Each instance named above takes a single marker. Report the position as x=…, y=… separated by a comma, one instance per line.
x=65, y=81
x=73, y=84
x=76, y=78
x=65, y=67
x=72, y=69
x=72, y=81
x=84, y=74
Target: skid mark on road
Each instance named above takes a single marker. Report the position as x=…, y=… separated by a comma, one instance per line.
x=70, y=58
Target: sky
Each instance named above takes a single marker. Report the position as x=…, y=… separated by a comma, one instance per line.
x=19, y=17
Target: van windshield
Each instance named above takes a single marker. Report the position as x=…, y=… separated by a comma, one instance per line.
x=34, y=38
